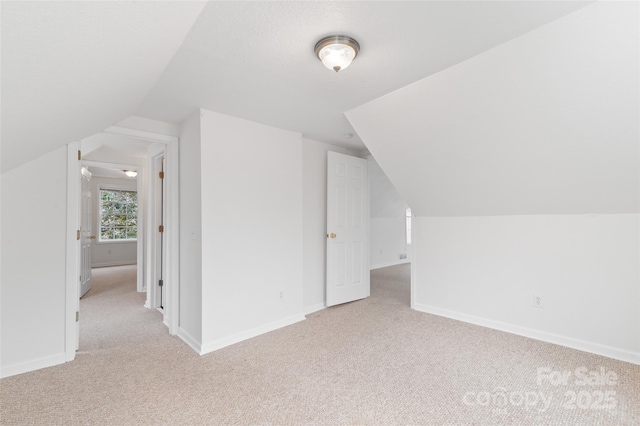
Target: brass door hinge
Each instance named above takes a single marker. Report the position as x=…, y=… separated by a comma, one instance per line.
x=79, y=155
x=160, y=228
x=161, y=283
x=77, y=316
x=78, y=234
x=161, y=175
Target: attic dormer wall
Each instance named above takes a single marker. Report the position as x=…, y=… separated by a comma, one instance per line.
x=522, y=167
x=388, y=225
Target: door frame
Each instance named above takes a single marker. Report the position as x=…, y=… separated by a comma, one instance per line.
x=87, y=227
x=72, y=297
x=72, y=300
x=155, y=153
x=140, y=189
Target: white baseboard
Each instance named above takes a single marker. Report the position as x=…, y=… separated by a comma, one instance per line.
x=387, y=264
x=570, y=342
x=190, y=340
x=105, y=264
x=314, y=308
x=165, y=319
x=244, y=335
x=32, y=365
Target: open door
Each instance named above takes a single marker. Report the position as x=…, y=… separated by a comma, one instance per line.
x=160, y=239
x=157, y=265
x=347, y=229
x=86, y=232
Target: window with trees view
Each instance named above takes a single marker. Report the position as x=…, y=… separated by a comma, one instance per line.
x=118, y=215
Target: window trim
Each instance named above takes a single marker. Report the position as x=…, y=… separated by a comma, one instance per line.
x=98, y=233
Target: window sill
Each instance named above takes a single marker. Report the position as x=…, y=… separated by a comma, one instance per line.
x=115, y=241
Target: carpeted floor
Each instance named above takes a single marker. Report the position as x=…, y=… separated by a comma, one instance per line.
x=373, y=362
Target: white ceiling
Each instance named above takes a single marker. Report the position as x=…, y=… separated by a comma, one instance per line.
x=544, y=124
x=106, y=172
x=71, y=69
x=109, y=147
x=255, y=60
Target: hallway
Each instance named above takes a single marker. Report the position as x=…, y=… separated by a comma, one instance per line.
x=112, y=313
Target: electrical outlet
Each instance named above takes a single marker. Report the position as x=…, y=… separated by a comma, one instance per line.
x=538, y=301
x=281, y=295
x=402, y=255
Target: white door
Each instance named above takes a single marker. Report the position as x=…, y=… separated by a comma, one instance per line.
x=156, y=252
x=86, y=234
x=347, y=229
x=160, y=242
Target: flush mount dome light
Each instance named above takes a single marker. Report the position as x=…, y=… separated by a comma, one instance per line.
x=130, y=173
x=336, y=52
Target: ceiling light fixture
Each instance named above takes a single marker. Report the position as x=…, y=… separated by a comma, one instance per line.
x=336, y=52
x=130, y=173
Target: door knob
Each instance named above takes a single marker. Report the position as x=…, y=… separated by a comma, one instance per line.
x=93, y=237
x=332, y=235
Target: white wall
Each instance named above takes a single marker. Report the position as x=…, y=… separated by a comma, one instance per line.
x=258, y=197
x=33, y=273
x=586, y=268
x=314, y=177
x=191, y=307
x=388, y=220
x=149, y=125
x=504, y=158
x=110, y=253
x=546, y=123
x=251, y=229
x=388, y=242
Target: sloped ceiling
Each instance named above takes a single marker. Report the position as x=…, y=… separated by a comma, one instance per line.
x=255, y=60
x=547, y=123
x=71, y=69
x=385, y=200
x=111, y=148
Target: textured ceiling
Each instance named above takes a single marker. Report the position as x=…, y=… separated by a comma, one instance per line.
x=544, y=124
x=108, y=147
x=255, y=60
x=104, y=172
x=72, y=69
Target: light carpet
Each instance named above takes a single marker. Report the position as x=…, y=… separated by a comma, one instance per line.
x=372, y=362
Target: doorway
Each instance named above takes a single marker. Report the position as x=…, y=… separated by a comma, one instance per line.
x=391, y=223
x=127, y=138
x=112, y=218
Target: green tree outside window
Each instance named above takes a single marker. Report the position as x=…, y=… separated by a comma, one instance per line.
x=118, y=215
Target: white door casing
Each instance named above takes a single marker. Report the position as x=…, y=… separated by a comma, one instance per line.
x=141, y=191
x=86, y=232
x=73, y=248
x=156, y=294
x=347, y=229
